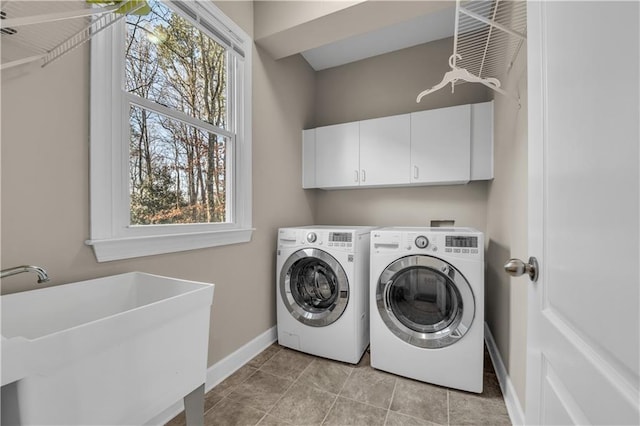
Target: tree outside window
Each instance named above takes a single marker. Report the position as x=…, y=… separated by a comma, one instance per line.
x=177, y=170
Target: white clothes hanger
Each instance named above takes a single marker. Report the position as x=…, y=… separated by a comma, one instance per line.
x=462, y=74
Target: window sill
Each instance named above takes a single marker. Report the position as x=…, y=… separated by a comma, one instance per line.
x=126, y=248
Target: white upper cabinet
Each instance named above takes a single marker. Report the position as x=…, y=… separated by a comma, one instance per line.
x=337, y=155
x=482, y=141
x=436, y=147
x=441, y=145
x=384, y=151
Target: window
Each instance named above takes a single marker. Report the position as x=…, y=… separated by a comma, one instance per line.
x=170, y=132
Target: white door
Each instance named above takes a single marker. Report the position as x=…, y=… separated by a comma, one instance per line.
x=583, y=357
x=384, y=150
x=338, y=155
x=441, y=145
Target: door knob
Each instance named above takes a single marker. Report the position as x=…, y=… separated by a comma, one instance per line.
x=516, y=267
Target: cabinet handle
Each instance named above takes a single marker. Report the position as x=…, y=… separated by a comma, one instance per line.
x=415, y=172
x=355, y=176
x=364, y=176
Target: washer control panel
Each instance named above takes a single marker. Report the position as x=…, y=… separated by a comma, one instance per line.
x=335, y=239
x=340, y=239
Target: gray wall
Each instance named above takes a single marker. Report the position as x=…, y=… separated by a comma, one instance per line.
x=506, y=297
x=387, y=85
x=45, y=188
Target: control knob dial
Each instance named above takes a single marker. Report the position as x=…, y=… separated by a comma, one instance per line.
x=312, y=237
x=422, y=242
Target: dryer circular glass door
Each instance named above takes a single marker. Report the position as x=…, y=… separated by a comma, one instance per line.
x=314, y=287
x=425, y=301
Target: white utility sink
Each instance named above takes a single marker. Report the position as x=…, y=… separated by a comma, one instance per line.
x=114, y=350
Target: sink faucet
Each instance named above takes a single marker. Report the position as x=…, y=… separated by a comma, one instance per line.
x=42, y=274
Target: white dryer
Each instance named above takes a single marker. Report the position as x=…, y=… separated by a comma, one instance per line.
x=427, y=304
x=322, y=290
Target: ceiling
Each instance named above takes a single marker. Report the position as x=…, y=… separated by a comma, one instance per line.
x=423, y=29
x=332, y=33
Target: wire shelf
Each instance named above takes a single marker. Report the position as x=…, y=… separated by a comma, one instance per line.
x=45, y=30
x=488, y=36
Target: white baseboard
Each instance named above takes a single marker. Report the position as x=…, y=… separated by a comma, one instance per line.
x=223, y=369
x=228, y=365
x=508, y=391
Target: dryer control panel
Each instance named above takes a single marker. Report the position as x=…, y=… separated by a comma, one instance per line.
x=429, y=241
x=462, y=242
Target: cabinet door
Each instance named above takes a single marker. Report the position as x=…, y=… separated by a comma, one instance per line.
x=337, y=162
x=385, y=147
x=440, y=145
x=482, y=141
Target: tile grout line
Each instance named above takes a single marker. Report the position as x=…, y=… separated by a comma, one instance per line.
x=214, y=406
x=372, y=406
x=235, y=386
x=422, y=419
x=324, y=419
x=269, y=359
x=231, y=390
x=348, y=377
x=338, y=395
x=226, y=397
x=393, y=394
x=247, y=378
x=279, y=399
x=364, y=403
x=261, y=419
x=293, y=382
x=266, y=360
x=448, y=409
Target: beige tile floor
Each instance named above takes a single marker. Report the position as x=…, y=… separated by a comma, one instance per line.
x=284, y=387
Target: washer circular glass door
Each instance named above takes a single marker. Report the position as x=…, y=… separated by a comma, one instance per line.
x=314, y=287
x=425, y=301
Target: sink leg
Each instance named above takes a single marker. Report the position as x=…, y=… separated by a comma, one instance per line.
x=194, y=407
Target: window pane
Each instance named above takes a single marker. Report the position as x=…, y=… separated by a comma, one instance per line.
x=172, y=63
x=177, y=172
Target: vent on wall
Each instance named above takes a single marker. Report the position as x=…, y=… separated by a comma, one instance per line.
x=443, y=223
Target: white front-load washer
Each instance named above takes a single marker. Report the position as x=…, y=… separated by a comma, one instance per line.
x=322, y=290
x=427, y=304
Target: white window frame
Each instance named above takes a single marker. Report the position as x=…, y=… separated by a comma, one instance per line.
x=112, y=237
